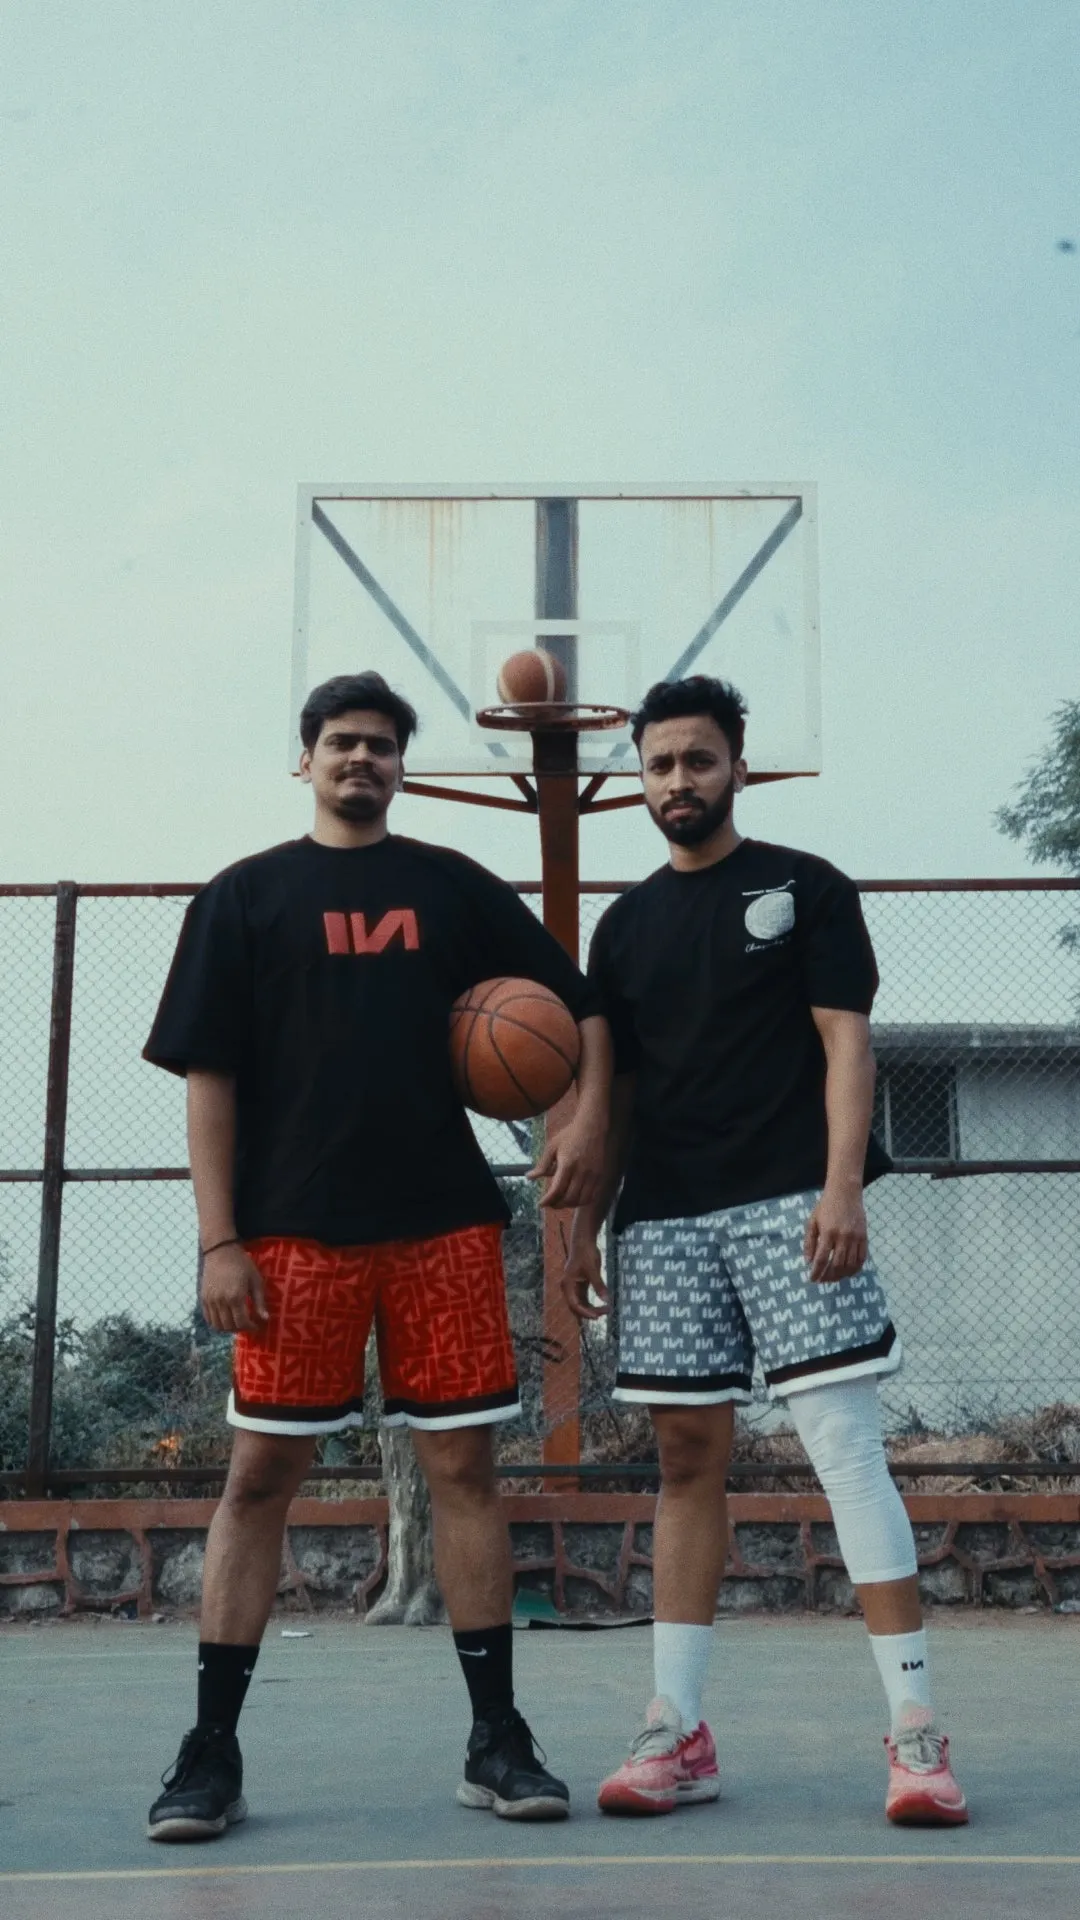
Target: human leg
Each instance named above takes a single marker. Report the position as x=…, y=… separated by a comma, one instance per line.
x=690, y=1367
x=447, y=1365
x=284, y=1395
x=503, y=1772
x=472, y=1544
x=840, y=1428
x=689, y=1545
x=243, y=1560
x=243, y=1546
x=821, y=1347
x=672, y=1761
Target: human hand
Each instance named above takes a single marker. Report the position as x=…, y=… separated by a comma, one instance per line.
x=233, y=1296
x=581, y=1275
x=835, y=1243
x=573, y=1165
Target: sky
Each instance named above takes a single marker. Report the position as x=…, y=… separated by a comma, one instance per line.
x=651, y=240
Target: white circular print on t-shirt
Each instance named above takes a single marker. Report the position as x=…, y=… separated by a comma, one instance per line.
x=770, y=915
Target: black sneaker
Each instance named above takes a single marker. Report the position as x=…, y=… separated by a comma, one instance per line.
x=202, y=1789
x=504, y=1772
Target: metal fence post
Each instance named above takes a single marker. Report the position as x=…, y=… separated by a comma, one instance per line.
x=52, y=1191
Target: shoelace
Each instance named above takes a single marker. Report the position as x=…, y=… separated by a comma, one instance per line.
x=192, y=1749
x=920, y=1749
x=654, y=1741
x=520, y=1742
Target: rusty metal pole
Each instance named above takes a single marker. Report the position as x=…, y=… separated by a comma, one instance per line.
x=52, y=1192
x=555, y=764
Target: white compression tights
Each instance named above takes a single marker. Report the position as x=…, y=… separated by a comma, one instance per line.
x=840, y=1427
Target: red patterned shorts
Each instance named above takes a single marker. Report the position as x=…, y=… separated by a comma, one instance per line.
x=439, y=1310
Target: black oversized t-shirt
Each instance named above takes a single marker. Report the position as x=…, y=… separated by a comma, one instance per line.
x=708, y=978
x=323, y=979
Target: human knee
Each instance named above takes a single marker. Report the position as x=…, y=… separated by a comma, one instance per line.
x=694, y=1445
x=840, y=1428
x=265, y=1476
x=457, y=1464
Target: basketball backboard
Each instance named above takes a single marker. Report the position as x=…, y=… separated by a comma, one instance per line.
x=435, y=587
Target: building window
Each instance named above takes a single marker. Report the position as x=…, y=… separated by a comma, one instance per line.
x=915, y=1111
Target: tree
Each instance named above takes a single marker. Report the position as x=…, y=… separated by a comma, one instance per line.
x=411, y=1597
x=1045, y=817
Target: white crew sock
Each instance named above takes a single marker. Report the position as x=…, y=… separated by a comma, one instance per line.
x=902, y=1664
x=680, y=1660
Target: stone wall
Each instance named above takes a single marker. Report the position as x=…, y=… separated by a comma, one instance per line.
x=589, y=1554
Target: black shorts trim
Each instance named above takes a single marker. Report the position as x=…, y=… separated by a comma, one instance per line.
x=683, y=1383
x=879, y=1349
x=446, y=1409
x=258, y=1410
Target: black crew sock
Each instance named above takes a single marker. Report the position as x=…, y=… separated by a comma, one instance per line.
x=487, y=1661
x=224, y=1673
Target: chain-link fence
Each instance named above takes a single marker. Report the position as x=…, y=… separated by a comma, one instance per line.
x=105, y=1363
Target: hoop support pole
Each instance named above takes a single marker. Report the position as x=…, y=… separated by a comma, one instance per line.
x=555, y=776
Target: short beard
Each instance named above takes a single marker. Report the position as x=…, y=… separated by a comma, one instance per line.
x=701, y=825
x=359, y=806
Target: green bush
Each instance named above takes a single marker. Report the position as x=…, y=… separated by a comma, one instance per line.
x=123, y=1394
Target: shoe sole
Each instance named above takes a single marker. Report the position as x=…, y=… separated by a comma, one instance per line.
x=915, y=1812
x=485, y=1799
x=642, y=1802
x=183, y=1827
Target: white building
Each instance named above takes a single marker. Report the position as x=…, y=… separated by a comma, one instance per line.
x=982, y=1267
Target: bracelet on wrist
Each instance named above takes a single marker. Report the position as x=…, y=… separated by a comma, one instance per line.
x=233, y=1241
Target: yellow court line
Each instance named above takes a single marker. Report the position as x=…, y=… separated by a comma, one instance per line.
x=548, y=1860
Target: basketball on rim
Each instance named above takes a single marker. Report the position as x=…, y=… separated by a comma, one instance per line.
x=514, y=1048
x=531, y=675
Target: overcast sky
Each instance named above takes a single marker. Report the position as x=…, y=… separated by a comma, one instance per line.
x=686, y=240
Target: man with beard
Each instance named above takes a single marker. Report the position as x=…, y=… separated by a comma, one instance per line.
x=738, y=981
x=338, y=1183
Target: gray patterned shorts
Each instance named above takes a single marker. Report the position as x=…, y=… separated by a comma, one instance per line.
x=699, y=1298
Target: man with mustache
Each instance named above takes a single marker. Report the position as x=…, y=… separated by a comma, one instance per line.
x=338, y=1183
x=738, y=980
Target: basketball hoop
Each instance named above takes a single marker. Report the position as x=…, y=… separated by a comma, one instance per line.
x=552, y=716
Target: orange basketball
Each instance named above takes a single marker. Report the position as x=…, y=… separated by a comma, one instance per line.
x=514, y=1048
x=532, y=675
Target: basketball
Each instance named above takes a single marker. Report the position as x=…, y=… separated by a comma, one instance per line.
x=532, y=675
x=514, y=1048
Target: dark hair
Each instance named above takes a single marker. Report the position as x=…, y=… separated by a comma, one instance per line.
x=348, y=691
x=672, y=699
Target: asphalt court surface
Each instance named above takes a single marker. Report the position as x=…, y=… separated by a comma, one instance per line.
x=353, y=1741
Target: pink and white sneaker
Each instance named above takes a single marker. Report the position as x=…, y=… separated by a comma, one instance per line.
x=922, y=1791
x=667, y=1767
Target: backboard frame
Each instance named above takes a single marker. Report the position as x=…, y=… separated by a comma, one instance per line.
x=802, y=510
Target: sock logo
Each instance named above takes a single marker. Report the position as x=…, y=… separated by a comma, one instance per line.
x=912, y=1666
x=472, y=1653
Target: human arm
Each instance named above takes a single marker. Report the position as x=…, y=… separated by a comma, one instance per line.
x=573, y=1162
x=582, y=1271
x=232, y=1290
x=836, y=1238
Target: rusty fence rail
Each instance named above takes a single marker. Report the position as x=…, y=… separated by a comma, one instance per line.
x=977, y=1033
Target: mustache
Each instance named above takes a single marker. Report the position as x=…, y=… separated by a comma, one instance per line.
x=683, y=800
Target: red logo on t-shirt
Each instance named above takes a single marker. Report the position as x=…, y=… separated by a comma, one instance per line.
x=348, y=933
